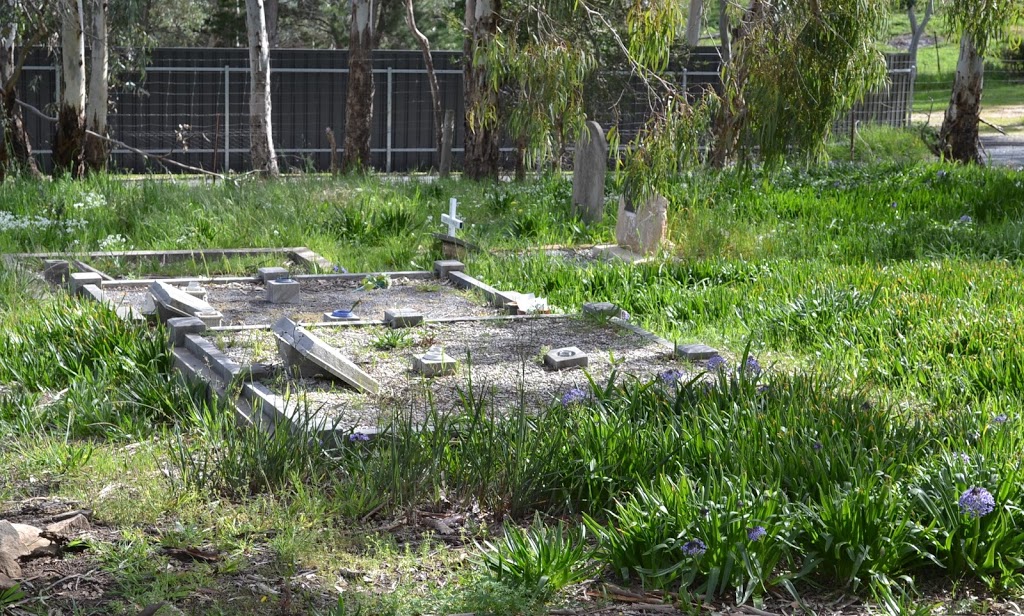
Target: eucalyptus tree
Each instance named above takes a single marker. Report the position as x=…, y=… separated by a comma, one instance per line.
x=359, y=96
x=96, y=146
x=23, y=24
x=261, y=144
x=480, y=89
x=917, y=27
x=979, y=23
x=69, y=142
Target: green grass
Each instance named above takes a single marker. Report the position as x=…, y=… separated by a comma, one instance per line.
x=888, y=325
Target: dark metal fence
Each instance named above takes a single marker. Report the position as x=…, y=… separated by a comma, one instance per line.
x=191, y=105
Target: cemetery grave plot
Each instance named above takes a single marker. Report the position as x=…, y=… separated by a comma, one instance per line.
x=245, y=302
x=199, y=266
x=504, y=359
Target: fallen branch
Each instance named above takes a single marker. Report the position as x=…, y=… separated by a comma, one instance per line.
x=162, y=159
x=993, y=127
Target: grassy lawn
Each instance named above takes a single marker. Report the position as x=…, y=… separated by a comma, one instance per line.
x=861, y=439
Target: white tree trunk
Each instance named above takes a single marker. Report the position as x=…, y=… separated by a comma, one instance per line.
x=261, y=147
x=96, y=106
x=69, y=143
x=958, y=137
x=359, y=96
x=694, y=21
x=917, y=30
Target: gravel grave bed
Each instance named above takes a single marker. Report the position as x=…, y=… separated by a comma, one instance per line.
x=244, y=303
x=502, y=358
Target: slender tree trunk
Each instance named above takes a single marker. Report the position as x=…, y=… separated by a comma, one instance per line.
x=958, y=137
x=428, y=60
x=481, y=100
x=96, y=149
x=917, y=30
x=271, y=11
x=69, y=142
x=723, y=32
x=15, y=147
x=732, y=110
x=359, y=100
x=261, y=146
x=694, y=21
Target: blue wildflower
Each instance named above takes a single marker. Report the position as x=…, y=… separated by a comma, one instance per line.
x=977, y=502
x=574, y=396
x=670, y=377
x=965, y=219
x=358, y=436
x=817, y=445
x=1000, y=419
x=694, y=547
x=716, y=363
x=752, y=367
x=756, y=533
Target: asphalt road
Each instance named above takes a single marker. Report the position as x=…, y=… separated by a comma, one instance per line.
x=1004, y=150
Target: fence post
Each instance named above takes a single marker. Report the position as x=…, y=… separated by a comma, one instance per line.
x=391, y=84
x=227, y=118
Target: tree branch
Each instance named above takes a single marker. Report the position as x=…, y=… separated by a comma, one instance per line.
x=162, y=159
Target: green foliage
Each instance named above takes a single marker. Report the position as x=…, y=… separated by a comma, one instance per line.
x=985, y=21
x=539, y=559
x=391, y=339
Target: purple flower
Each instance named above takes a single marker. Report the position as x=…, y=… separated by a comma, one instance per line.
x=716, y=363
x=763, y=389
x=963, y=457
x=756, y=533
x=977, y=502
x=694, y=547
x=358, y=436
x=751, y=366
x=573, y=397
x=817, y=445
x=670, y=377
x=965, y=219
x=1000, y=419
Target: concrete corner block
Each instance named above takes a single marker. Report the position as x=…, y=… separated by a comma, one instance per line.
x=435, y=362
x=179, y=327
x=696, y=352
x=443, y=266
x=78, y=280
x=284, y=291
x=566, y=357
x=266, y=274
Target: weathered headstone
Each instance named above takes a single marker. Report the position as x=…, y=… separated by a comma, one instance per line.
x=312, y=356
x=642, y=230
x=589, y=169
x=173, y=302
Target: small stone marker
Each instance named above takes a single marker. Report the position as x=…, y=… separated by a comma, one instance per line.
x=179, y=327
x=173, y=302
x=80, y=279
x=642, y=231
x=283, y=291
x=56, y=271
x=435, y=362
x=589, y=169
x=565, y=357
x=267, y=274
x=696, y=352
x=442, y=267
x=602, y=309
x=196, y=290
x=312, y=356
x=402, y=317
x=451, y=218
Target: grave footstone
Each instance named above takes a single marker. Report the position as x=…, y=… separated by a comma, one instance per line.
x=696, y=352
x=56, y=271
x=589, y=169
x=283, y=291
x=312, y=356
x=179, y=327
x=173, y=302
x=565, y=357
x=642, y=229
x=266, y=274
x=442, y=267
x=602, y=309
x=78, y=280
x=435, y=362
x=402, y=317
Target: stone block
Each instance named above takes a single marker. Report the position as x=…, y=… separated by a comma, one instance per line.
x=642, y=230
x=435, y=362
x=442, y=267
x=266, y=274
x=212, y=318
x=179, y=327
x=283, y=291
x=696, y=352
x=402, y=317
x=601, y=309
x=174, y=302
x=312, y=356
x=565, y=357
x=56, y=271
x=80, y=279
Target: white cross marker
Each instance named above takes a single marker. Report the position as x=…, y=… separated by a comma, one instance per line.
x=451, y=219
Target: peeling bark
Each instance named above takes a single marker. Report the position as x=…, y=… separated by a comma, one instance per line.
x=69, y=142
x=261, y=146
x=481, y=147
x=359, y=98
x=97, y=150
x=958, y=137
x=15, y=147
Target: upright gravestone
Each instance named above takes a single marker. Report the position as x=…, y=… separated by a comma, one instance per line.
x=642, y=229
x=589, y=168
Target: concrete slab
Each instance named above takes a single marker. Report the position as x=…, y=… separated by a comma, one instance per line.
x=696, y=352
x=313, y=356
x=173, y=302
x=618, y=253
x=267, y=274
x=402, y=317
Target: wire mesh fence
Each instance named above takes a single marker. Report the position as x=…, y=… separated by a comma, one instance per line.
x=191, y=106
